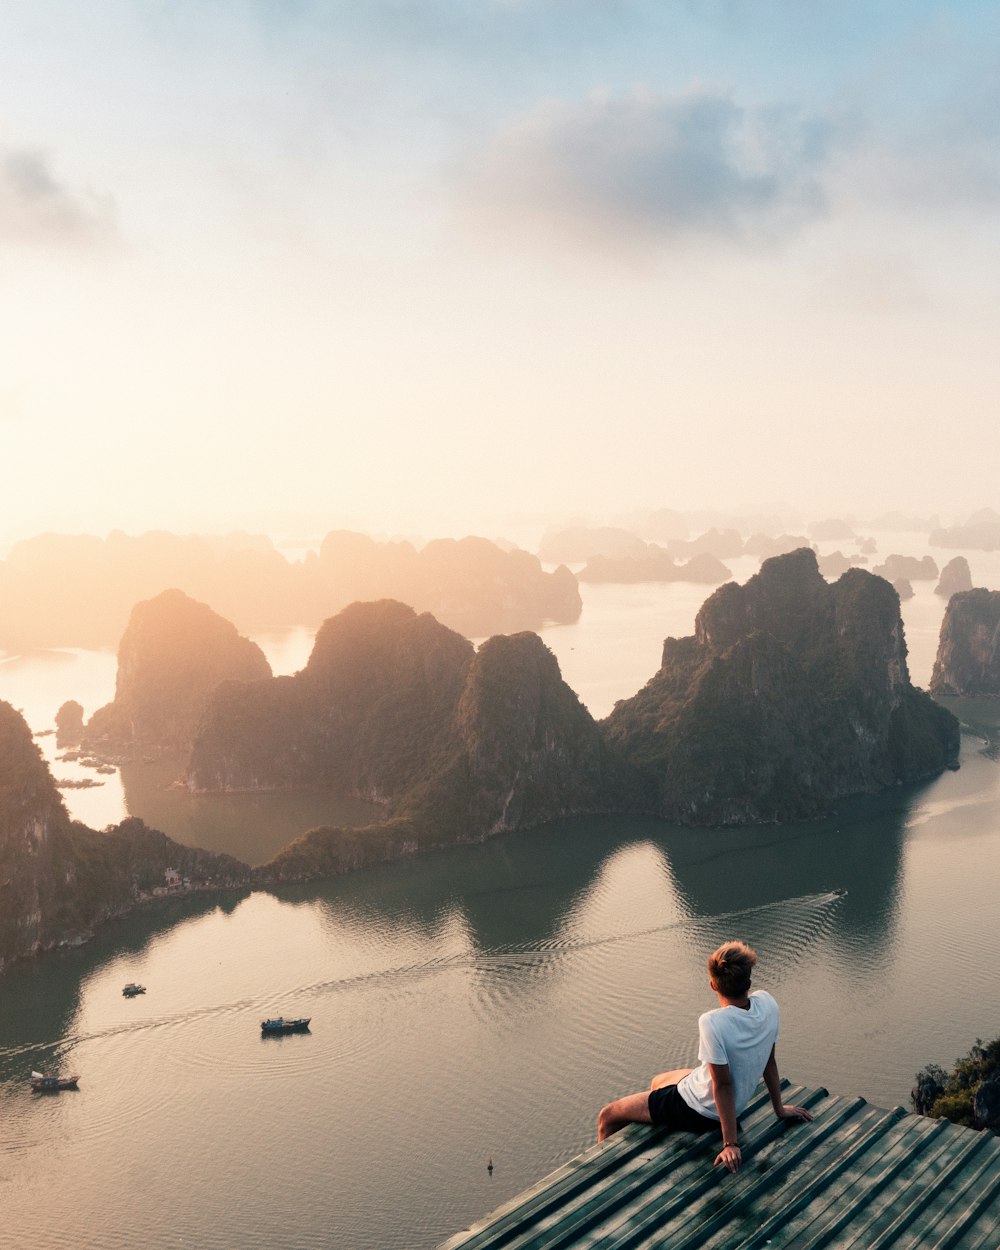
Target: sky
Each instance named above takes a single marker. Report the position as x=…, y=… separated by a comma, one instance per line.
x=423, y=265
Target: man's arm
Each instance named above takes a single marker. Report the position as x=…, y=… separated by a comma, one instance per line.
x=784, y=1111
x=730, y=1156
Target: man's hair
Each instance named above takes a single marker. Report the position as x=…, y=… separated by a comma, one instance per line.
x=730, y=968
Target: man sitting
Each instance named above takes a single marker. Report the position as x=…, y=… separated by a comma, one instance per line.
x=736, y=1047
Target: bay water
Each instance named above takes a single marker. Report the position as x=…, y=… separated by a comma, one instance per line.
x=475, y=1005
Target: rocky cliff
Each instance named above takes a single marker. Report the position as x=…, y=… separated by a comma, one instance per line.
x=956, y=576
x=370, y=715
x=59, y=879
x=395, y=707
x=173, y=654
x=969, y=1094
x=529, y=750
x=69, y=723
x=790, y=694
x=968, y=657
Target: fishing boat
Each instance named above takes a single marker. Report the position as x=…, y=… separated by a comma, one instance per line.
x=42, y=1084
x=132, y=989
x=281, y=1025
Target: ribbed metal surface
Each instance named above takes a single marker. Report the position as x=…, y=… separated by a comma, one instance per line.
x=858, y=1176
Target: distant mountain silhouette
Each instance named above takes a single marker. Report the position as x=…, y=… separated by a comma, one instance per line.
x=77, y=590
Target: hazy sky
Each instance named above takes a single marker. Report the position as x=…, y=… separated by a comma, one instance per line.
x=392, y=261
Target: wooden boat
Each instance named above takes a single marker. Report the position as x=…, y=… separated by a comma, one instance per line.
x=42, y=1084
x=132, y=989
x=281, y=1025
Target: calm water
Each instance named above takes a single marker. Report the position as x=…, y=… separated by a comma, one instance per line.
x=478, y=1004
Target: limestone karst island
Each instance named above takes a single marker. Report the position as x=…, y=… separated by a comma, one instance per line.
x=791, y=695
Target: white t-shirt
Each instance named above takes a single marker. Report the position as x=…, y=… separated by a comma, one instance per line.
x=740, y=1037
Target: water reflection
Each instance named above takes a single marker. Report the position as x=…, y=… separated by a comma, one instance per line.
x=541, y=888
x=859, y=850
x=252, y=827
x=518, y=889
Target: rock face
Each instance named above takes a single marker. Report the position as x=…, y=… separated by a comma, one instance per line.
x=968, y=657
x=394, y=707
x=791, y=694
x=902, y=588
x=172, y=656
x=969, y=1094
x=59, y=879
x=69, y=723
x=370, y=715
x=956, y=577
x=31, y=812
x=530, y=750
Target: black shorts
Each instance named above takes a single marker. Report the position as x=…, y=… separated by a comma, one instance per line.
x=667, y=1109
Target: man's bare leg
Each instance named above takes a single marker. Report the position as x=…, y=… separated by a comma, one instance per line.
x=632, y=1109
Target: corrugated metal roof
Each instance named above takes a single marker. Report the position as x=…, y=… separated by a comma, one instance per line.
x=858, y=1176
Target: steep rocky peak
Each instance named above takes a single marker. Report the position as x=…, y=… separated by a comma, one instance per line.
x=29, y=800
x=779, y=599
x=968, y=656
x=172, y=629
x=173, y=654
x=384, y=643
x=513, y=679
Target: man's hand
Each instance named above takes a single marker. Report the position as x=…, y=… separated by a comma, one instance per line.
x=730, y=1157
x=788, y=1112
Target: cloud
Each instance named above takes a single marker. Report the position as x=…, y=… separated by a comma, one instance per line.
x=648, y=169
x=36, y=208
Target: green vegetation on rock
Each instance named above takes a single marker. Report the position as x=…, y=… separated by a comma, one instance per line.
x=968, y=657
x=969, y=1094
x=59, y=879
x=791, y=693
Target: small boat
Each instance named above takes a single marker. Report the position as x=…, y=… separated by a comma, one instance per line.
x=42, y=1084
x=281, y=1025
x=132, y=989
